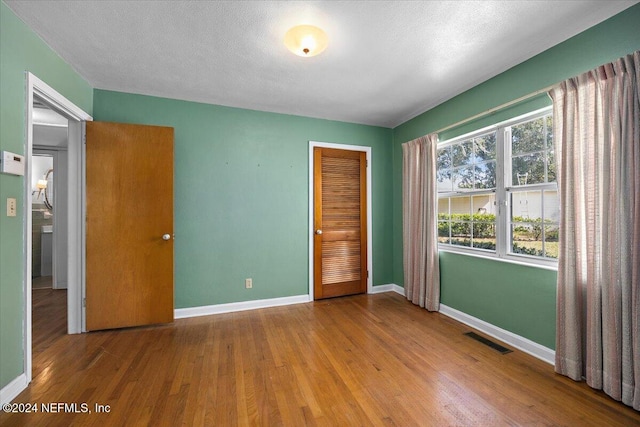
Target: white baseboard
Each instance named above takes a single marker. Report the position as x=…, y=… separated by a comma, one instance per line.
x=206, y=310
x=398, y=290
x=14, y=388
x=388, y=288
x=181, y=313
x=536, y=350
x=533, y=348
x=61, y=285
x=381, y=288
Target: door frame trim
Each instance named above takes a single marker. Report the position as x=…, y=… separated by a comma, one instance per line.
x=362, y=148
x=76, y=117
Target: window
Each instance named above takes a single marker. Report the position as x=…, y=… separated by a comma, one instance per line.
x=468, y=166
x=497, y=191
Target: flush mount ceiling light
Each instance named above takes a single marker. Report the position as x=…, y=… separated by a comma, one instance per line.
x=306, y=40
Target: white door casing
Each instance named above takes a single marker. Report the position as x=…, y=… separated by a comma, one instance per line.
x=75, y=232
x=311, y=230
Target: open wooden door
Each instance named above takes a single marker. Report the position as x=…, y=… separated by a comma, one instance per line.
x=129, y=228
x=340, y=222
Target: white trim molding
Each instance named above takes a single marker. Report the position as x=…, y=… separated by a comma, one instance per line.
x=206, y=310
x=55, y=98
x=367, y=150
x=391, y=287
x=534, y=349
x=13, y=389
x=75, y=115
x=399, y=290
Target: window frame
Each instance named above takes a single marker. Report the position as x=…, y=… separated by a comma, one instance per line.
x=502, y=194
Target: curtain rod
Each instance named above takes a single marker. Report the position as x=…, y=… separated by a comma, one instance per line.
x=494, y=109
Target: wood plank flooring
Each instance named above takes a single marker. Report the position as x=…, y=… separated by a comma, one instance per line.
x=41, y=282
x=49, y=320
x=360, y=360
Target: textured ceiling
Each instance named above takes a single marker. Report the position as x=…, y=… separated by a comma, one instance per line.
x=387, y=61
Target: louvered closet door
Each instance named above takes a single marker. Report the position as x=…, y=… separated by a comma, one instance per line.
x=340, y=220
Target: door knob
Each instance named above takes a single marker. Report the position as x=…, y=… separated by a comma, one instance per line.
x=166, y=237
x=318, y=231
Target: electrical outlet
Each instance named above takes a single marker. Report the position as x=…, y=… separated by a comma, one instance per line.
x=248, y=283
x=11, y=206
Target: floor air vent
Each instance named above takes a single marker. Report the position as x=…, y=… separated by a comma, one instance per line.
x=493, y=345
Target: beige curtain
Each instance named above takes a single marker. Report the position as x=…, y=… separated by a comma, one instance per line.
x=597, y=137
x=420, y=222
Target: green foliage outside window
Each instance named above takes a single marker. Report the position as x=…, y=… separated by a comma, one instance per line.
x=527, y=233
x=468, y=166
x=533, y=160
x=533, y=226
x=484, y=225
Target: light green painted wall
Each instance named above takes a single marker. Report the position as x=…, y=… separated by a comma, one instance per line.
x=241, y=194
x=21, y=50
x=516, y=297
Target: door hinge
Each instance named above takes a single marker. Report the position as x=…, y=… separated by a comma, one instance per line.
x=367, y=161
x=84, y=302
x=367, y=274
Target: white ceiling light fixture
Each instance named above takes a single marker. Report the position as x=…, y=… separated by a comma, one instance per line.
x=381, y=70
x=306, y=40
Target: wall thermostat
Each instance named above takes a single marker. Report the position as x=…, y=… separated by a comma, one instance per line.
x=11, y=163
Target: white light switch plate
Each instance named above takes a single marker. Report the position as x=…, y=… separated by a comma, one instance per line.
x=11, y=206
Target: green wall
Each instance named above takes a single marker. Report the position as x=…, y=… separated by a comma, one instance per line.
x=21, y=50
x=512, y=297
x=517, y=298
x=241, y=194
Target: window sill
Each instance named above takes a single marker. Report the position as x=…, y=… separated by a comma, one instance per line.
x=511, y=259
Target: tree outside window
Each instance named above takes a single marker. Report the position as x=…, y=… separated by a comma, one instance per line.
x=471, y=191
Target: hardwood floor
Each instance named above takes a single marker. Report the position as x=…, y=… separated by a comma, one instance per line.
x=361, y=360
x=49, y=320
x=41, y=282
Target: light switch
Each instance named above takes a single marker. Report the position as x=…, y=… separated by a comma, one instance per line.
x=11, y=206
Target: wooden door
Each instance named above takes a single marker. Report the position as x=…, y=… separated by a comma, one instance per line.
x=340, y=222
x=129, y=228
